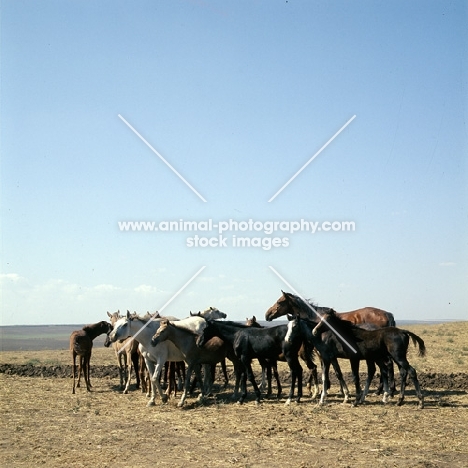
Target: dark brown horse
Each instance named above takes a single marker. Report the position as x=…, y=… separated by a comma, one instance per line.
x=369, y=316
x=378, y=346
x=81, y=344
x=269, y=367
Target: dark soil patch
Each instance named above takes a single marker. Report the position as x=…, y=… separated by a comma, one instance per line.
x=453, y=381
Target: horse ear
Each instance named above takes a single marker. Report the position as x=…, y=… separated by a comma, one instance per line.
x=254, y=319
x=191, y=314
x=128, y=314
x=108, y=314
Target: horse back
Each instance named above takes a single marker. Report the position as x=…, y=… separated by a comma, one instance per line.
x=80, y=342
x=369, y=315
x=260, y=342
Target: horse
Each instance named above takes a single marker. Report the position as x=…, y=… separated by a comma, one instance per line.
x=268, y=367
x=155, y=357
x=306, y=356
x=367, y=315
x=378, y=345
x=264, y=343
x=127, y=354
x=213, y=352
x=81, y=344
x=367, y=318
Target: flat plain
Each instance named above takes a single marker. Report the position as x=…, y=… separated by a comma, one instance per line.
x=44, y=424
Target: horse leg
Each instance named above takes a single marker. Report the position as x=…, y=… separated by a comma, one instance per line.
x=370, y=376
x=414, y=378
x=207, y=381
x=249, y=375
x=238, y=375
x=180, y=369
x=128, y=370
x=391, y=377
x=166, y=372
x=267, y=366
x=383, y=366
x=225, y=374
x=274, y=366
x=339, y=375
x=325, y=381
x=136, y=367
x=403, y=374
x=296, y=376
x=171, y=379
x=74, y=371
x=88, y=371
x=154, y=376
x=312, y=378
x=186, y=390
x=357, y=383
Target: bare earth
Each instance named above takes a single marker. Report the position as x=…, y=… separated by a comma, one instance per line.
x=44, y=424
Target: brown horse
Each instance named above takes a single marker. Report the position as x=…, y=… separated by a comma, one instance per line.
x=370, y=317
x=81, y=344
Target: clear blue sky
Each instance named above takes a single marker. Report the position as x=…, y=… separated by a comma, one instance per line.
x=237, y=96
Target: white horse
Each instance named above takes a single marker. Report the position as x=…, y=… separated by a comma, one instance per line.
x=196, y=323
x=155, y=357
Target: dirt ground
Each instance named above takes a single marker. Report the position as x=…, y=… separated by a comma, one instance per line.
x=44, y=424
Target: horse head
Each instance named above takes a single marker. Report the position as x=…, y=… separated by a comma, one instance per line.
x=121, y=329
x=212, y=313
x=283, y=306
x=252, y=322
x=161, y=332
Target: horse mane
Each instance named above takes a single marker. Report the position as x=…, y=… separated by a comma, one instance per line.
x=308, y=306
x=187, y=330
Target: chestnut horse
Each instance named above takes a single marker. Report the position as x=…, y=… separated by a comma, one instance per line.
x=370, y=317
x=81, y=344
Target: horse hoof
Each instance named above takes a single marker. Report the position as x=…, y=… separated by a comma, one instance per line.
x=180, y=404
x=125, y=392
x=150, y=403
x=288, y=402
x=400, y=402
x=164, y=398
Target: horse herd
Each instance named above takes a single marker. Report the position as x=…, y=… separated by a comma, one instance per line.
x=203, y=340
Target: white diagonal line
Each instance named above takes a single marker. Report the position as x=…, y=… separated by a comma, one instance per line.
x=312, y=309
x=163, y=307
x=160, y=157
x=312, y=158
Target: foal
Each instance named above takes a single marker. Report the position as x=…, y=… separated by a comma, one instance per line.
x=127, y=354
x=81, y=344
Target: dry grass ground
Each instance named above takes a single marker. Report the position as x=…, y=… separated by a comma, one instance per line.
x=44, y=424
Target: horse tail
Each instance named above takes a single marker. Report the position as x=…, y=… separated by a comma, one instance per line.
x=417, y=340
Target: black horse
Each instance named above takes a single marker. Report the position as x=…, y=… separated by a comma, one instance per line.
x=342, y=339
x=261, y=343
